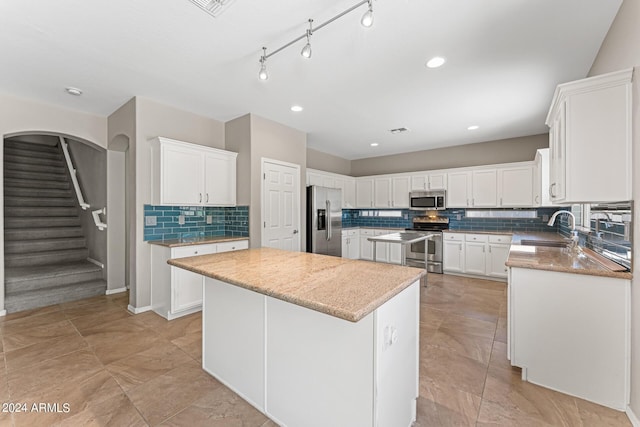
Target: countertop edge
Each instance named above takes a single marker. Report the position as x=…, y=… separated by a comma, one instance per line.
x=174, y=243
x=587, y=272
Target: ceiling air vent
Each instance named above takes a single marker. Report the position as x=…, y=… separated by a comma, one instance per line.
x=213, y=7
x=398, y=130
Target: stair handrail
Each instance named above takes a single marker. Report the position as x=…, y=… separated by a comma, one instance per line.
x=74, y=179
x=72, y=172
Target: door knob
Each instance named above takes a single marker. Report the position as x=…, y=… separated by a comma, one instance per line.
x=295, y=231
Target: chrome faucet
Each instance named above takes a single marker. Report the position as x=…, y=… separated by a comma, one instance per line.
x=574, y=234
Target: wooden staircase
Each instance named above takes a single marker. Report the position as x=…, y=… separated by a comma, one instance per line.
x=44, y=244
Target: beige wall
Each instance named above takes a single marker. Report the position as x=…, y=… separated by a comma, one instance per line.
x=620, y=50
x=19, y=115
x=238, y=139
x=153, y=119
x=327, y=162
x=483, y=153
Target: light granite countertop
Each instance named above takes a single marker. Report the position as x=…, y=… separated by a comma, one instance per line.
x=343, y=288
x=556, y=259
x=174, y=243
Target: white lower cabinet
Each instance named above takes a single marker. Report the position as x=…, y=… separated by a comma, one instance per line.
x=176, y=292
x=385, y=252
x=476, y=254
x=351, y=244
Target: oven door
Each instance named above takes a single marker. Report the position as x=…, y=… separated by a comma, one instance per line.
x=433, y=247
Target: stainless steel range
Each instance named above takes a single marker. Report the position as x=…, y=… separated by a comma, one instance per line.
x=433, y=246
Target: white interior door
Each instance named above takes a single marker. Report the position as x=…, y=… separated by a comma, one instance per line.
x=280, y=205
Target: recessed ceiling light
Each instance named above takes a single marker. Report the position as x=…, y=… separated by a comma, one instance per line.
x=436, y=62
x=473, y=127
x=374, y=144
x=73, y=91
x=296, y=108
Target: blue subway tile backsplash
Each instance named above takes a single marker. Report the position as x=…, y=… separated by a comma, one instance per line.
x=226, y=221
x=458, y=220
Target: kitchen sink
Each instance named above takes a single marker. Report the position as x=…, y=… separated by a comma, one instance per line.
x=546, y=243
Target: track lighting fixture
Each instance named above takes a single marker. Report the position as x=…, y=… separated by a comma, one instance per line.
x=366, y=21
x=262, y=75
x=367, y=18
x=306, y=50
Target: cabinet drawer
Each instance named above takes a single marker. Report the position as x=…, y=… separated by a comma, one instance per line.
x=193, y=250
x=232, y=246
x=457, y=237
x=499, y=239
x=350, y=233
x=366, y=232
x=476, y=238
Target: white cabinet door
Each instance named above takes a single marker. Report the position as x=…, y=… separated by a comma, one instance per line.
x=220, y=180
x=187, y=289
x=382, y=249
x=366, y=248
x=419, y=182
x=515, y=187
x=349, y=194
x=395, y=253
x=182, y=172
x=453, y=256
x=557, y=153
x=364, y=193
x=382, y=192
x=485, y=188
x=437, y=181
x=400, y=192
x=459, y=189
x=496, y=257
x=475, y=258
x=345, y=246
x=314, y=178
x=353, y=244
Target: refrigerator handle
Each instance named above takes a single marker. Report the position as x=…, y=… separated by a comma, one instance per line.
x=328, y=203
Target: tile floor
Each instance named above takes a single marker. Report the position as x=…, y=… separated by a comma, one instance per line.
x=114, y=368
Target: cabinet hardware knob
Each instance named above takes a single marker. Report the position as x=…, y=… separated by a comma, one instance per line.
x=207, y=197
x=195, y=252
x=200, y=197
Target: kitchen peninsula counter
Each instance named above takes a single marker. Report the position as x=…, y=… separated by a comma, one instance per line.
x=343, y=288
x=312, y=340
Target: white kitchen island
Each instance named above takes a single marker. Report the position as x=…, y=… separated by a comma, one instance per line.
x=312, y=340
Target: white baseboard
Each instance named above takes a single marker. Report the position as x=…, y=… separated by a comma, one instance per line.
x=3, y=313
x=635, y=421
x=138, y=310
x=116, y=291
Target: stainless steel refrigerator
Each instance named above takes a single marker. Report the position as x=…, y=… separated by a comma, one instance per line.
x=324, y=220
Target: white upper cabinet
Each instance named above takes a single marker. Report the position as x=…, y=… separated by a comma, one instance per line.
x=515, y=187
x=189, y=174
x=590, y=139
x=459, y=189
x=364, y=192
x=429, y=181
x=400, y=192
x=389, y=192
x=382, y=192
x=343, y=182
x=484, y=188
x=541, y=179
x=315, y=178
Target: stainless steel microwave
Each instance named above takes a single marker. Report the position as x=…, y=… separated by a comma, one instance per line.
x=427, y=200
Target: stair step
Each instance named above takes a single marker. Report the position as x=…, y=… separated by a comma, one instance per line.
x=31, y=146
x=38, y=201
x=36, y=222
x=37, y=192
x=13, y=234
x=20, y=279
x=28, y=160
x=12, y=211
x=44, y=176
x=30, y=153
x=43, y=245
x=44, y=258
x=34, y=183
x=55, y=295
x=30, y=167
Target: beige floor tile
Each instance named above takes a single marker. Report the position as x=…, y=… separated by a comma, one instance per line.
x=501, y=330
x=1, y=344
x=68, y=370
x=176, y=328
x=80, y=396
x=28, y=313
x=218, y=405
x=191, y=344
x=430, y=414
x=499, y=357
x=479, y=307
x=91, y=321
x=100, y=307
x=167, y=395
x=38, y=334
x=593, y=415
x=465, y=404
x=474, y=347
x=117, y=411
x=440, y=298
x=87, y=301
x=458, y=324
x=22, y=324
x=431, y=317
x=134, y=370
x=447, y=367
x=521, y=401
x=43, y=351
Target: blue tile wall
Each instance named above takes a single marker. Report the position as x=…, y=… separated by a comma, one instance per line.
x=353, y=218
x=227, y=221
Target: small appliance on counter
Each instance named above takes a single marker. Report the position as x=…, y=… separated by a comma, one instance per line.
x=324, y=220
x=433, y=225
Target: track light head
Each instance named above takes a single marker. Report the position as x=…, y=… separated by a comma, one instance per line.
x=262, y=74
x=306, y=50
x=367, y=18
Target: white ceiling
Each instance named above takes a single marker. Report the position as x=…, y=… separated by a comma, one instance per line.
x=504, y=59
